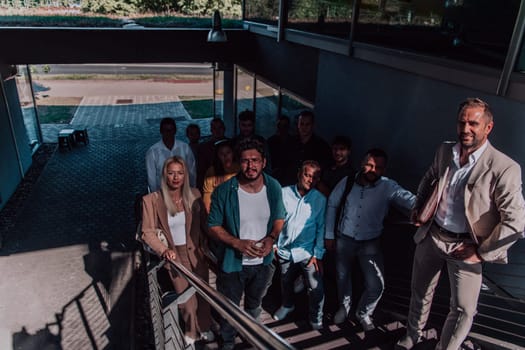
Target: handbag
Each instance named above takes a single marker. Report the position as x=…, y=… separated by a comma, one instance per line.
x=162, y=237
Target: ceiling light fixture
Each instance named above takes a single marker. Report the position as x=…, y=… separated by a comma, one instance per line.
x=216, y=34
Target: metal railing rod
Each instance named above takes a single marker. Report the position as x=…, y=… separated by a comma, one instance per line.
x=255, y=333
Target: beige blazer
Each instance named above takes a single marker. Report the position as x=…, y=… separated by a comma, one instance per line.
x=155, y=215
x=494, y=205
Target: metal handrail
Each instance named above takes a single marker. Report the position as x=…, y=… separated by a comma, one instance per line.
x=255, y=333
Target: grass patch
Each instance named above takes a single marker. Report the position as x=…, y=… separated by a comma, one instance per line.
x=56, y=114
x=91, y=20
x=59, y=21
x=198, y=109
x=152, y=77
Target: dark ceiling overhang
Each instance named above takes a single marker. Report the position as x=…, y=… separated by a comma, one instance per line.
x=116, y=45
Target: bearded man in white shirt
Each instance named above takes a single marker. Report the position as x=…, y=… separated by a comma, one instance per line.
x=168, y=147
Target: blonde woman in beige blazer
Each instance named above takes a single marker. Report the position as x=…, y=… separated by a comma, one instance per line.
x=177, y=210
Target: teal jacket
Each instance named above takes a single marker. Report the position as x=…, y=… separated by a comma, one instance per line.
x=224, y=212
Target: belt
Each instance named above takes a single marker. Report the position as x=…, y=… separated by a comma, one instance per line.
x=450, y=234
x=342, y=235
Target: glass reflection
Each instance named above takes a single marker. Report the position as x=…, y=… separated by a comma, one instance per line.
x=218, y=93
x=245, y=83
x=327, y=17
x=266, y=109
x=27, y=104
x=262, y=11
x=475, y=31
x=292, y=106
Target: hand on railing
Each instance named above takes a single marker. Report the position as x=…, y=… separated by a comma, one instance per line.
x=169, y=254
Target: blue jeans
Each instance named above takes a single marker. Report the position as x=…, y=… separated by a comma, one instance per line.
x=370, y=258
x=253, y=281
x=314, y=282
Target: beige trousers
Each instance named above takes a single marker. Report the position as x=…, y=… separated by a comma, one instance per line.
x=465, y=283
x=196, y=311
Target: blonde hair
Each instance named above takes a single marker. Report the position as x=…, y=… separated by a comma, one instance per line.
x=187, y=195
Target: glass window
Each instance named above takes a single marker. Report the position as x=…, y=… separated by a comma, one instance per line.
x=291, y=106
x=520, y=65
x=327, y=17
x=266, y=109
x=245, y=84
x=475, y=31
x=25, y=93
x=262, y=11
x=218, y=93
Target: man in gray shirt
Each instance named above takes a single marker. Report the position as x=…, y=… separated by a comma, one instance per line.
x=354, y=222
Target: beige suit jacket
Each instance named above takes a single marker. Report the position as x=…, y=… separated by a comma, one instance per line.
x=494, y=205
x=155, y=216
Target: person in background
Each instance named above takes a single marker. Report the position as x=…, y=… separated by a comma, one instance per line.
x=224, y=168
x=246, y=127
x=167, y=147
x=206, y=149
x=355, y=213
x=246, y=217
x=247, y=130
x=280, y=146
x=340, y=166
x=193, y=133
x=300, y=247
x=479, y=214
x=307, y=145
x=178, y=211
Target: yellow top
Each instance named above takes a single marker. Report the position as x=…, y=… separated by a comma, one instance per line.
x=211, y=181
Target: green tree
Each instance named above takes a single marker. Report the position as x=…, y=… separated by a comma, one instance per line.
x=117, y=7
x=228, y=8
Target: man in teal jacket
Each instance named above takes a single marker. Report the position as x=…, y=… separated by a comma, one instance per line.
x=247, y=213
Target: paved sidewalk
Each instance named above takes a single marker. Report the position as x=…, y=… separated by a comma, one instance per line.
x=67, y=262
x=138, y=120
x=66, y=265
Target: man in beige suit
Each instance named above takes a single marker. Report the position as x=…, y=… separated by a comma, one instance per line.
x=479, y=215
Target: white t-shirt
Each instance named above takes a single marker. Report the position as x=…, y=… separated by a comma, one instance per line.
x=254, y=213
x=177, y=226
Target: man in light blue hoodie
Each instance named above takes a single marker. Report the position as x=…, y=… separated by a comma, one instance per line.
x=300, y=247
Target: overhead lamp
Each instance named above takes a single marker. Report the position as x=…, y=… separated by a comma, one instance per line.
x=216, y=34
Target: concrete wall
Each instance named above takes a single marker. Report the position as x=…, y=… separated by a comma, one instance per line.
x=287, y=65
x=11, y=119
x=408, y=116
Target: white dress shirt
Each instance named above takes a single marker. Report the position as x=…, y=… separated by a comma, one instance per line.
x=451, y=209
x=303, y=233
x=365, y=208
x=157, y=155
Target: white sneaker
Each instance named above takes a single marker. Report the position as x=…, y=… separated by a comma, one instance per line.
x=366, y=323
x=406, y=343
x=282, y=312
x=341, y=315
x=207, y=336
x=189, y=340
x=316, y=325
